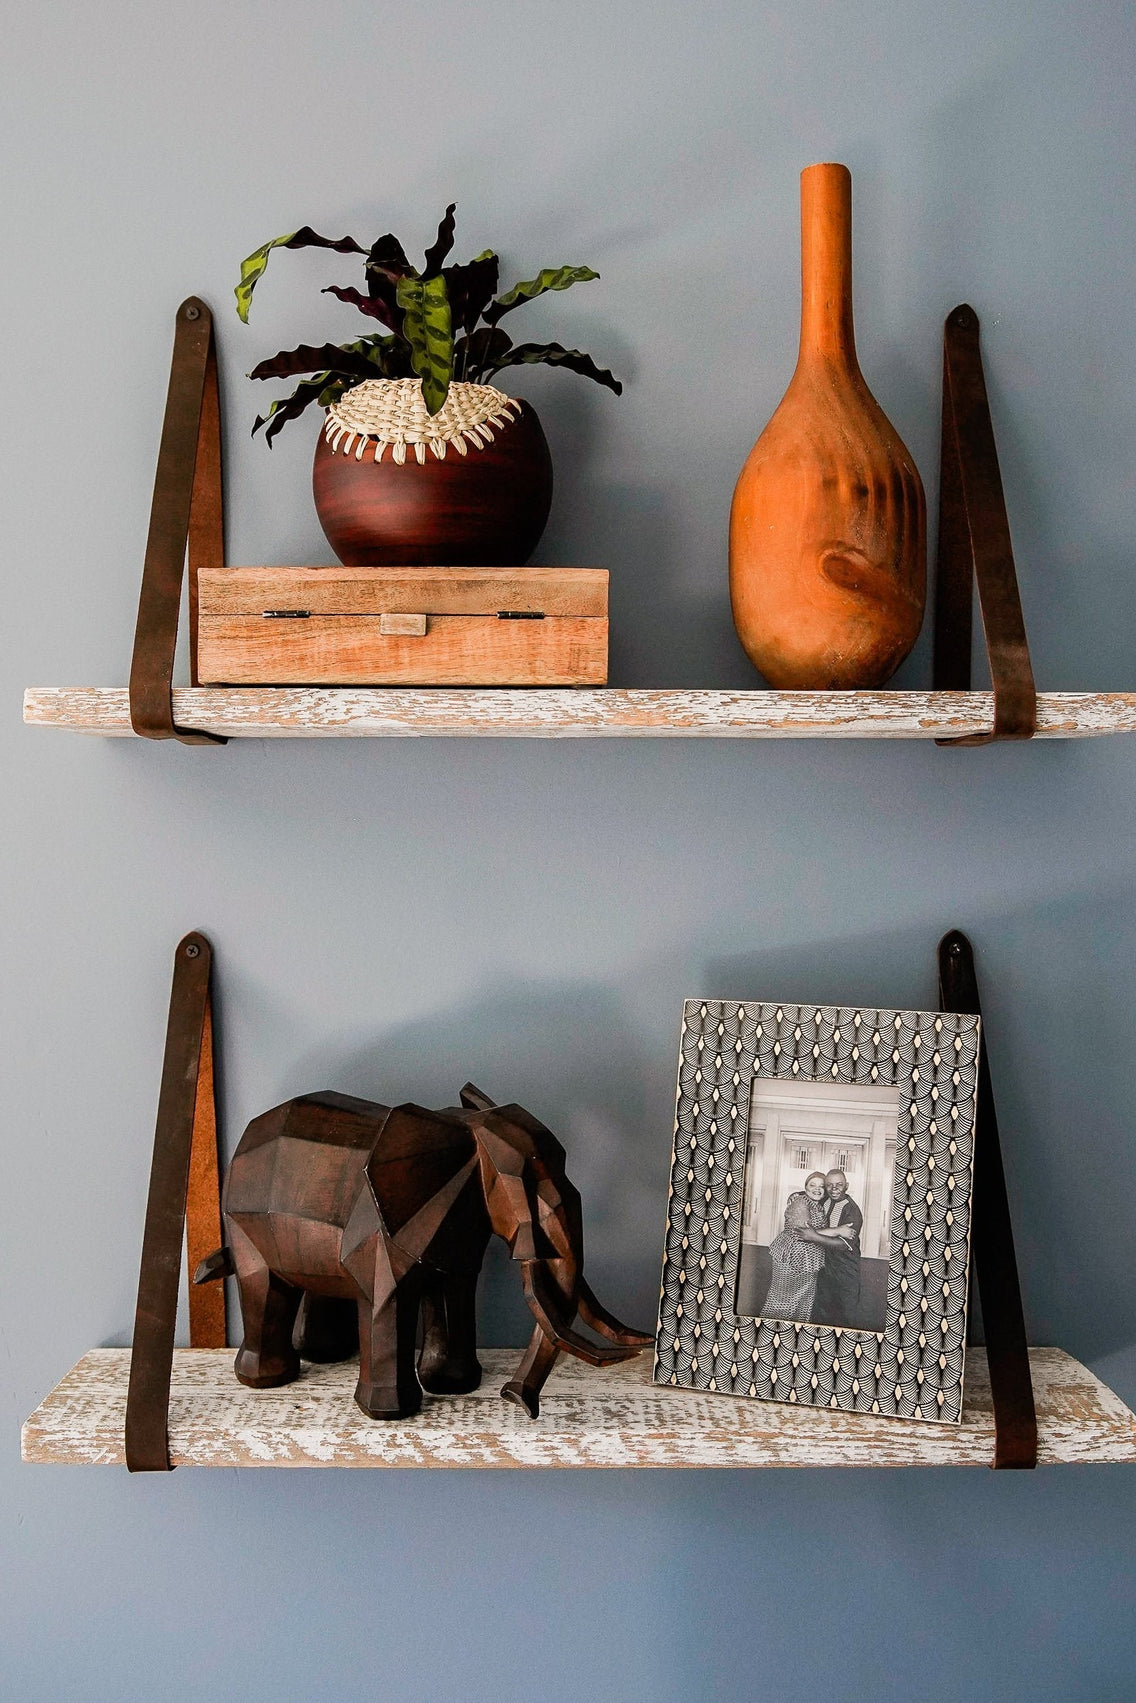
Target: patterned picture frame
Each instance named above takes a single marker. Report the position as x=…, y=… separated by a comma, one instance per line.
x=913, y=1368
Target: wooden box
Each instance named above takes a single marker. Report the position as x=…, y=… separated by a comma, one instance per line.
x=402, y=627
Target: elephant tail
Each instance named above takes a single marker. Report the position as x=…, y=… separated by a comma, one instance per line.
x=214, y=1266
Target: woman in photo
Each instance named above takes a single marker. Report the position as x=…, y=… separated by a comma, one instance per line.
x=797, y=1261
x=797, y=1264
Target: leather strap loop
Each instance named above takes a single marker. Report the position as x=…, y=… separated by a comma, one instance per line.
x=975, y=547
x=187, y=511
x=184, y=1178
x=993, y=1260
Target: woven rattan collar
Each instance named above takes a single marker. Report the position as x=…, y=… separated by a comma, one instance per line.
x=390, y=411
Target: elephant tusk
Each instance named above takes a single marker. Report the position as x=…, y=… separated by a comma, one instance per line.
x=605, y=1323
x=562, y=1336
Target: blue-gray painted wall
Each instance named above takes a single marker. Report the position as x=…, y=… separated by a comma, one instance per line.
x=392, y=917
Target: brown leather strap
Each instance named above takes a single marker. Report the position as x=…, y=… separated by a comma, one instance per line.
x=184, y=1173
x=975, y=548
x=186, y=511
x=203, y=1234
x=993, y=1260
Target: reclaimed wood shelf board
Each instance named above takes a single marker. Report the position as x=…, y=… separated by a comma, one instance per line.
x=588, y=1418
x=319, y=712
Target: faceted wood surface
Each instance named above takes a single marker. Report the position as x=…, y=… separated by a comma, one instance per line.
x=588, y=1418
x=298, y=712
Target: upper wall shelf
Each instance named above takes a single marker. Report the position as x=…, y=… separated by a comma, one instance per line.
x=312, y=712
x=974, y=554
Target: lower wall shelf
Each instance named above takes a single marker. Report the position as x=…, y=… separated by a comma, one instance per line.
x=589, y=1418
x=319, y=712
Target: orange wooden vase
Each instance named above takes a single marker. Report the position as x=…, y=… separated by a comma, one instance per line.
x=828, y=531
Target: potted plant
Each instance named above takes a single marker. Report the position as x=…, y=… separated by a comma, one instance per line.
x=421, y=460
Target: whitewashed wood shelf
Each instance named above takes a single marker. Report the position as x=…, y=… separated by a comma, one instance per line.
x=318, y=712
x=588, y=1418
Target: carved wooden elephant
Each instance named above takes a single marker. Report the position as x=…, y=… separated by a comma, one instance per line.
x=347, y=1219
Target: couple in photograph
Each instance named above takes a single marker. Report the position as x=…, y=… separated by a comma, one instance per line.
x=816, y=1257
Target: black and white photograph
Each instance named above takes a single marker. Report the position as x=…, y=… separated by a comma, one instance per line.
x=816, y=1226
x=818, y=1233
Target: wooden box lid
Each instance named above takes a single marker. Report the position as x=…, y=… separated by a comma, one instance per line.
x=581, y=592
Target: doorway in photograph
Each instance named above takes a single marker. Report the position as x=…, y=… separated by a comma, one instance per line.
x=816, y=1218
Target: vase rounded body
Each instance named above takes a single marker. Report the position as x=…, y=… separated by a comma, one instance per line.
x=828, y=532
x=483, y=504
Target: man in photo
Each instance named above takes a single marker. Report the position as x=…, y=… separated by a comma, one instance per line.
x=838, y=1282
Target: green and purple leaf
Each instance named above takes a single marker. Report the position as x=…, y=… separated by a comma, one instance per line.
x=375, y=307
x=333, y=390
x=370, y=357
x=307, y=358
x=477, y=351
x=427, y=325
x=386, y=263
x=389, y=356
x=555, y=355
x=551, y=278
x=442, y=243
x=291, y=407
x=305, y=237
x=471, y=288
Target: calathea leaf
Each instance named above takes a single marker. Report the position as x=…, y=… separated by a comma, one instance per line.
x=555, y=355
x=471, y=288
x=305, y=237
x=389, y=356
x=333, y=390
x=442, y=243
x=382, y=357
x=308, y=359
x=375, y=307
x=428, y=327
x=479, y=350
x=386, y=263
x=551, y=278
x=312, y=390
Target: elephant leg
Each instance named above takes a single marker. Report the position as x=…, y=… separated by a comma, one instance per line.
x=268, y=1312
x=524, y=1388
x=448, y=1363
x=327, y=1329
x=388, y=1386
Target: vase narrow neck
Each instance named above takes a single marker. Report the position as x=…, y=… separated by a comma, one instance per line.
x=826, y=266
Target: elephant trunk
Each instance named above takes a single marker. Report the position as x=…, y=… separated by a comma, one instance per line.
x=554, y=1335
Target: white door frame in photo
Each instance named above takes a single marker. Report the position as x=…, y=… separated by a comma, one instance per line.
x=818, y=1116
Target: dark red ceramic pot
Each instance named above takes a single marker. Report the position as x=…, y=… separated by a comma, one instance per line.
x=485, y=508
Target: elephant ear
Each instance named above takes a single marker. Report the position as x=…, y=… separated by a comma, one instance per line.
x=538, y=1138
x=414, y=1166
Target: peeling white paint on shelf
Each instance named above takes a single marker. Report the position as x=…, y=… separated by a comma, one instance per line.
x=589, y=1418
x=315, y=712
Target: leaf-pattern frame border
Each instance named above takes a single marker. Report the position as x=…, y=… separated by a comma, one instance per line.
x=913, y=1369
